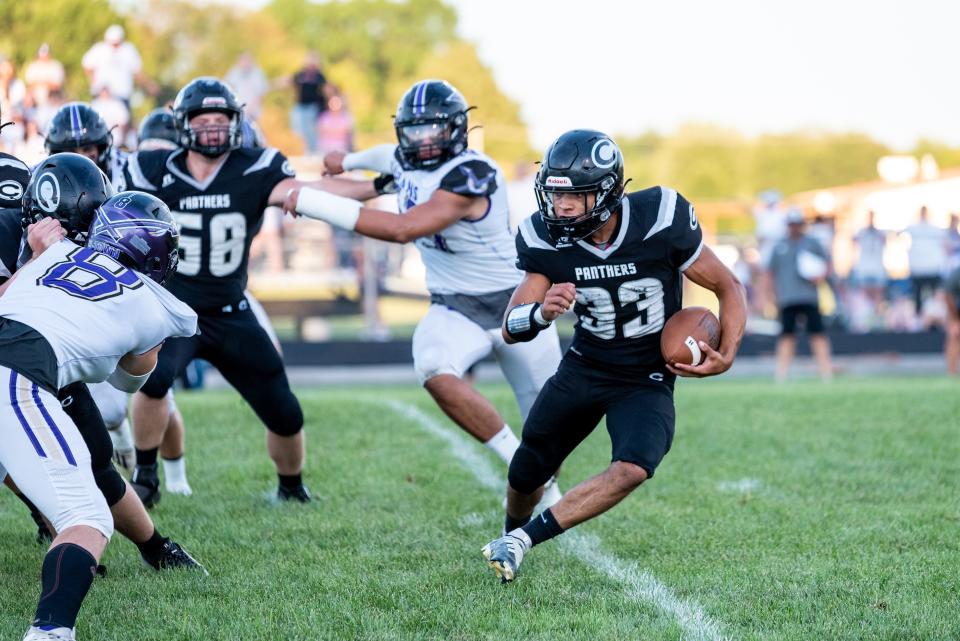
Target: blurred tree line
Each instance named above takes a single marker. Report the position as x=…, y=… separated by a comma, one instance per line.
x=375, y=49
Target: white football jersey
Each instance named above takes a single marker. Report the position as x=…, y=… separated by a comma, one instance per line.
x=471, y=256
x=93, y=310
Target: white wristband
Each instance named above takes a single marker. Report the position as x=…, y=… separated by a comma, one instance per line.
x=538, y=317
x=322, y=205
x=378, y=159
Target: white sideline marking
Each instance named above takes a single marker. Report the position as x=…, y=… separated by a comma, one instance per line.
x=640, y=584
x=741, y=486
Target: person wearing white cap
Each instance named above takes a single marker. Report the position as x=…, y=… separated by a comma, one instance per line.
x=798, y=264
x=114, y=64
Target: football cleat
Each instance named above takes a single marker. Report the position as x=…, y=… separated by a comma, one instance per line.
x=504, y=555
x=53, y=634
x=178, y=487
x=300, y=494
x=123, y=453
x=44, y=535
x=146, y=484
x=172, y=556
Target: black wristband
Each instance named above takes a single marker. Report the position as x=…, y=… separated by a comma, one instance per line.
x=385, y=184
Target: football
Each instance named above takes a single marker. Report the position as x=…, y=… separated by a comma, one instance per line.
x=679, y=342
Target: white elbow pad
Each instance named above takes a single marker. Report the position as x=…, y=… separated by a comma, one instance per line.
x=124, y=381
x=379, y=159
x=330, y=208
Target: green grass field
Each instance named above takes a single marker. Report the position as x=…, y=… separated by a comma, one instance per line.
x=799, y=512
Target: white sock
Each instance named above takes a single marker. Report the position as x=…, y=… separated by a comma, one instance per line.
x=174, y=470
x=504, y=443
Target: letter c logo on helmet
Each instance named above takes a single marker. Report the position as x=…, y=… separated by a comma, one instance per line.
x=604, y=153
x=11, y=190
x=48, y=192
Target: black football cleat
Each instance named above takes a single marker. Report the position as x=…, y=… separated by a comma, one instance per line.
x=171, y=556
x=299, y=494
x=146, y=484
x=44, y=535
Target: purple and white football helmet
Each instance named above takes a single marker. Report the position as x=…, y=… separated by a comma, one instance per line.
x=137, y=230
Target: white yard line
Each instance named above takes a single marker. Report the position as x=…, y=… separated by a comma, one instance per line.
x=740, y=486
x=639, y=583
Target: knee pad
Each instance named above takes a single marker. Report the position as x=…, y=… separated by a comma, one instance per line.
x=110, y=483
x=286, y=417
x=529, y=470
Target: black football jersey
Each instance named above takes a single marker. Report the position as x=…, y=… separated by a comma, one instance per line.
x=626, y=291
x=11, y=234
x=217, y=218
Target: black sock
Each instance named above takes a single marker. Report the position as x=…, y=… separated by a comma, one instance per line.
x=510, y=524
x=542, y=528
x=290, y=482
x=66, y=576
x=147, y=457
x=153, y=544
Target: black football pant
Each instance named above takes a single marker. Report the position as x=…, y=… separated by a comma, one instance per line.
x=242, y=351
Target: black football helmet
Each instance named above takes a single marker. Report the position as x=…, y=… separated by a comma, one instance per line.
x=68, y=187
x=14, y=177
x=431, y=124
x=202, y=95
x=75, y=125
x=157, y=131
x=582, y=161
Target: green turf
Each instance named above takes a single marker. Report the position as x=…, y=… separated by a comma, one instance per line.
x=846, y=527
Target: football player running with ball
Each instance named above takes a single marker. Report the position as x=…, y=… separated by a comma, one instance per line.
x=453, y=205
x=618, y=260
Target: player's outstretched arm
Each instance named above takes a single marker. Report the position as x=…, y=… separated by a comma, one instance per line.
x=379, y=159
x=535, y=304
x=708, y=272
x=442, y=210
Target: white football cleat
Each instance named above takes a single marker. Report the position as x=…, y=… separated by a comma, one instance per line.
x=180, y=487
x=505, y=555
x=56, y=634
x=123, y=453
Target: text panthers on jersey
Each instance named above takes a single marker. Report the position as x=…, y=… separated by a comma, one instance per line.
x=626, y=291
x=218, y=217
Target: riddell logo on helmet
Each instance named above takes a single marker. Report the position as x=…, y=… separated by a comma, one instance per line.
x=214, y=101
x=559, y=181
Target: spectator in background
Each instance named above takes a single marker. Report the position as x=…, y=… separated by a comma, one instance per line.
x=927, y=258
x=114, y=113
x=13, y=92
x=114, y=64
x=249, y=83
x=951, y=347
x=797, y=265
x=311, y=87
x=770, y=228
x=952, y=244
x=521, y=197
x=335, y=125
x=44, y=75
x=868, y=270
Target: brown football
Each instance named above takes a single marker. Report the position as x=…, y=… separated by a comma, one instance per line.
x=679, y=342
